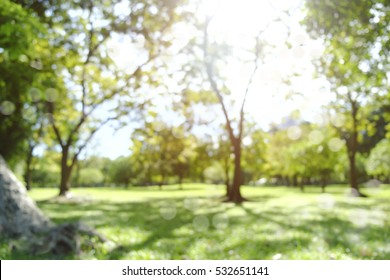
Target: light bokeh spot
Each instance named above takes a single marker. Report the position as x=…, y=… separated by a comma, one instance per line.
x=294, y=132
x=338, y=120
x=247, y=141
x=220, y=221
x=35, y=94
x=300, y=38
x=316, y=137
x=7, y=108
x=298, y=52
x=51, y=94
x=29, y=114
x=342, y=90
x=326, y=201
x=168, y=211
x=36, y=64
x=335, y=144
x=23, y=58
x=201, y=223
x=192, y=204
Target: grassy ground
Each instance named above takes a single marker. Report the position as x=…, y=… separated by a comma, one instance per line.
x=278, y=223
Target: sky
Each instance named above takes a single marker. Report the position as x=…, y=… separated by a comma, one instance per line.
x=269, y=98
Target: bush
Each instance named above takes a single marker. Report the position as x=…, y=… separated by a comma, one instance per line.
x=90, y=177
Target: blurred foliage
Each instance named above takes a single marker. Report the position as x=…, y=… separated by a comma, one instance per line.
x=121, y=171
x=22, y=46
x=71, y=40
x=90, y=177
x=378, y=163
x=58, y=71
x=355, y=36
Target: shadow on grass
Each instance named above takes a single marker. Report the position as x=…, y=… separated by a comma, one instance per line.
x=139, y=230
x=358, y=236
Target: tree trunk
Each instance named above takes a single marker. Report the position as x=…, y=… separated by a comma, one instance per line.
x=162, y=181
x=353, y=176
x=181, y=181
x=148, y=177
x=21, y=219
x=27, y=174
x=202, y=178
x=302, y=185
x=228, y=189
x=65, y=181
x=19, y=215
x=352, y=171
x=287, y=181
x=352, y=142
x=323, y=182
x=235, y=192
x=227, y=179
x=295, y=181
x=66, y=171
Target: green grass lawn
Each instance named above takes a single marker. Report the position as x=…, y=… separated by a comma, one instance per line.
x=278, y=223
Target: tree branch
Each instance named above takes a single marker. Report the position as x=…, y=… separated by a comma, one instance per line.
x=88, y=139
x=214, y=86
x=257, y=53
x=53, y=123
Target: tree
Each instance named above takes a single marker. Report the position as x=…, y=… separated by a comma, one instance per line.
x=314, y=156
x=21, y=50
x=223, y=156
x=378, y=162
x=300, y=153
x=34, y=115
x=232, y=61
x=254, y=152
x=122, y=171
x=276, y=156
x=235, y=134
x=46, y=170
x=92, y=81
x=164, y=150
x=182, y=165
x=354, y=62
x=201, y=160
x=280, y=165
x=376, y=126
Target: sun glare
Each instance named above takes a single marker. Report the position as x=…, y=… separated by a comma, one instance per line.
x=239, y=17
x=238, y=23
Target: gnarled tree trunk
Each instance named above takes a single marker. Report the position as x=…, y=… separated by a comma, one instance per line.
x=19, y=215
